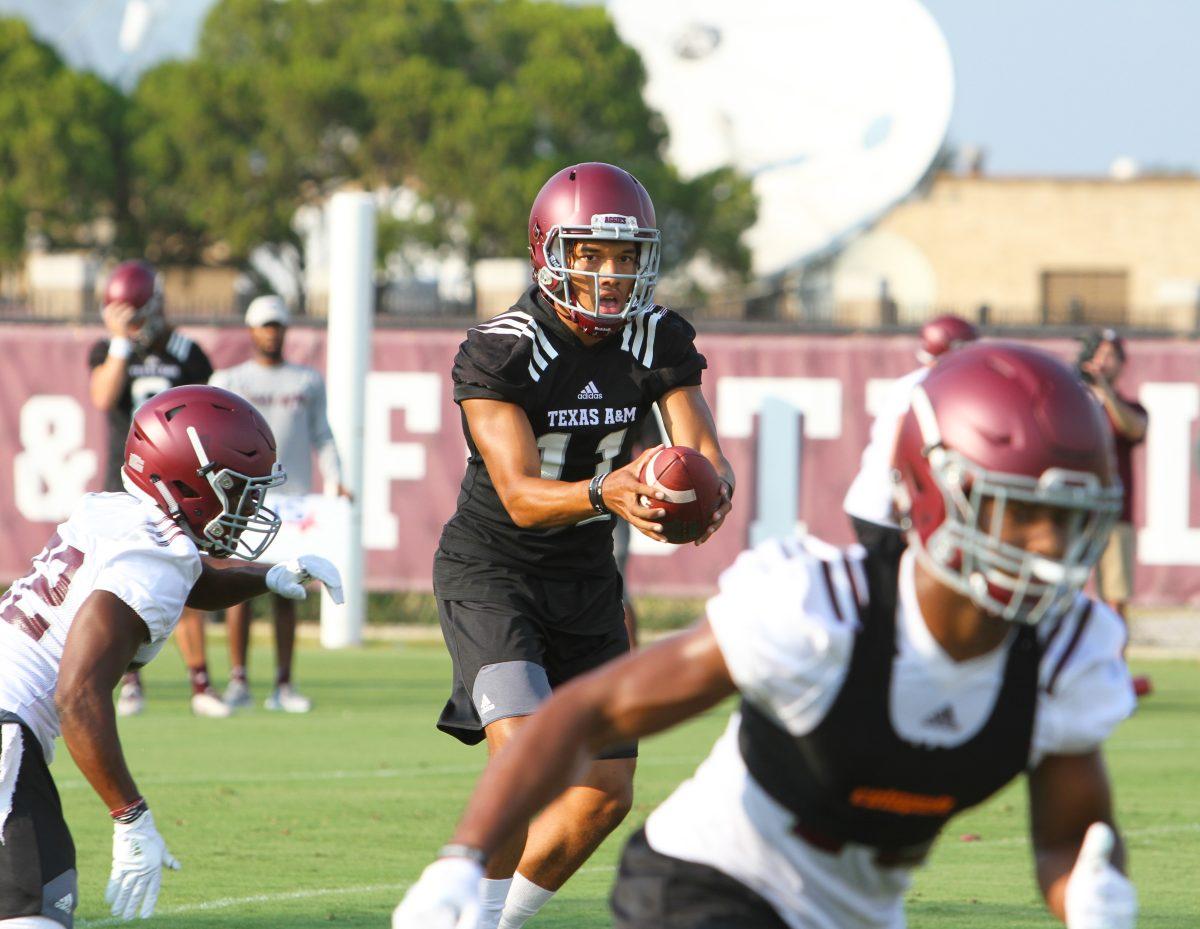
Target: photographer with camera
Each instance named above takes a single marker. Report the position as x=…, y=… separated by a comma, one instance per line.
x=1101, y=361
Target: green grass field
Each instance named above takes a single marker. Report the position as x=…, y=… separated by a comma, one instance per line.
x=323, y=820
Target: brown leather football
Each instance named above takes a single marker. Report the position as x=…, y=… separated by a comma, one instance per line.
x=692, y=489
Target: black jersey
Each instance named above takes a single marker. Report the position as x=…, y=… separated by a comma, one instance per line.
x=586, y=405
x=174, y=362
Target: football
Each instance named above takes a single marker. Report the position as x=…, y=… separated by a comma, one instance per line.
x=692, y=489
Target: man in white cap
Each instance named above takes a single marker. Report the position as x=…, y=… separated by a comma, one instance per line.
x=291, y=398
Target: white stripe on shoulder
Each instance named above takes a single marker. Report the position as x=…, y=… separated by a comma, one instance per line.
x=505, y=328
x=648, y=358
x=547, y=348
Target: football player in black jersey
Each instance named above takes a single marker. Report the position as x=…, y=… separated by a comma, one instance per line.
x=142, y=356
x=882, y=693
x=553, y=393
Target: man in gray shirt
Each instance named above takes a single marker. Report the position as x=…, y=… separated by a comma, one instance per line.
x=291, y=398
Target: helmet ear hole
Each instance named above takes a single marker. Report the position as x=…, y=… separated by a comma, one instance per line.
x=184, y=490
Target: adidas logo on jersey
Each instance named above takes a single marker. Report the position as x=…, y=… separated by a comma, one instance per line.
x=942, y=719
x=66, y=904
x=590, y=392
x=486, y=705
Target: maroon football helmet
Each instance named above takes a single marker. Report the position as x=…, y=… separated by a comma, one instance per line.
x=138, y=284
x=1002, y=422
x=600, y=202
x=943, y=334
x=206, y=457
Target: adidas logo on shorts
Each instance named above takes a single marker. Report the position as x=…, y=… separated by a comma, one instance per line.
x=66, y=904
x=590, y=392
x=486, y=705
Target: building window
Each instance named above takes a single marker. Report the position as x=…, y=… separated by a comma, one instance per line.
x=1095, y=297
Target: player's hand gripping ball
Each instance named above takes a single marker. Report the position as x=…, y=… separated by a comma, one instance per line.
x=691, y=488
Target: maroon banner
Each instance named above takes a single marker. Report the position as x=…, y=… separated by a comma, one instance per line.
x=52, y=445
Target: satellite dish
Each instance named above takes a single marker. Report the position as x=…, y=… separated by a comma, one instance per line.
x=835, y=110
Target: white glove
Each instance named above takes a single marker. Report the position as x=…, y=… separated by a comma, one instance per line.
x=288, y=579
x=1098, y=895
x=139, y=856
x=445, y=897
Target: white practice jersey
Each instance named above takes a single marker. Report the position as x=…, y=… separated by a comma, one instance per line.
x=788, y=652
x=870, y=493
x=291, y=398
x=114, y=542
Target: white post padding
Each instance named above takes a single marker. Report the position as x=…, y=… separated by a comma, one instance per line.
x=348, y=359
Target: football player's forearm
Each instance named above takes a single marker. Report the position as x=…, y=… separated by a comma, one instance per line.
x=106, y=383
x=221, y=588
x=89, y=729
x=534, y=503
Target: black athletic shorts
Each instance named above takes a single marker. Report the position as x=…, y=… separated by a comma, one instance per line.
x=654, y=891
x=514, y=637
x=37, y=857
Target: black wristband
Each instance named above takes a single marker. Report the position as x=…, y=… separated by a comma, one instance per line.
x=464, y=851
x=596, y=493
x=127, y=814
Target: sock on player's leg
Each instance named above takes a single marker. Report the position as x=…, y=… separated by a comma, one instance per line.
x=199, y=678
x=492, y=894
x=525, y=898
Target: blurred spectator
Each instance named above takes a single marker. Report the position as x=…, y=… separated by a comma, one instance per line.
x=869, y=502
x=291, y=398
x=142, y=356
x=1101, y=362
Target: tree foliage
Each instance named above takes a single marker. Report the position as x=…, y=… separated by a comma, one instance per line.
x=468, y=104
x=61, y=165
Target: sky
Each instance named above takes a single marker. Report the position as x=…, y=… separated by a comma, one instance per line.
x=1043, y=86
x=1067, y=86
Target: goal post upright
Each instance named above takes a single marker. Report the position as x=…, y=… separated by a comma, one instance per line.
x=348, y=359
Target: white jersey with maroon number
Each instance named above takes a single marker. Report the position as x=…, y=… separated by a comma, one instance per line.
x=114, y=542
x=785, y=621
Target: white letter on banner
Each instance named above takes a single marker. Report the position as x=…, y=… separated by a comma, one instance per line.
x=1167, y=539
x=817, y=400
x=419, y=395
x=53, y=470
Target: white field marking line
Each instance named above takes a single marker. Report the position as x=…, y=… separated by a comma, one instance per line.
x=225, y=903
x=368, y=774
x=1125, y=833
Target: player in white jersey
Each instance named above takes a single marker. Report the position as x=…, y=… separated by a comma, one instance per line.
x=102, y=597
x=291, y=398
x=868, y=501
x=881, y=694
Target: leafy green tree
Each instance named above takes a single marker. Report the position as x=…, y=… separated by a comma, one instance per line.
x=469, y=104
x=61, y=165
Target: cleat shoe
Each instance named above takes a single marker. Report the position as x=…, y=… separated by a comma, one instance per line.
x=131, y=701
x=237, y=694
x=207, y=703
x=285, y=699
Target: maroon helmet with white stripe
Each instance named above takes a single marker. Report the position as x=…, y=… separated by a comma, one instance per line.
x=995, y=424
x=206, y=457
x=592, y=202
